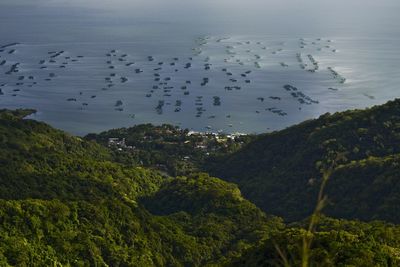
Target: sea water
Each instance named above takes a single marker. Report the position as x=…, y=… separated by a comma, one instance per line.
x=229, y=66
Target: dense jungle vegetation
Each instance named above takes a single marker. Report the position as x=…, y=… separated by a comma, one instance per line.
x=71, y=201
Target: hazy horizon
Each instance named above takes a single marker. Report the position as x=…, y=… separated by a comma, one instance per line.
x=355, y=17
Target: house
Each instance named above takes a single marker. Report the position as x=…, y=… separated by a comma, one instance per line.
x=118, y=142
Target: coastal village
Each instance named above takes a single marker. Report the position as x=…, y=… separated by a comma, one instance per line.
x=167, y=146
x=206, y=141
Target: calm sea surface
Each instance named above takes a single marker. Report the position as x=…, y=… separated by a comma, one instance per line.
x=248, y=66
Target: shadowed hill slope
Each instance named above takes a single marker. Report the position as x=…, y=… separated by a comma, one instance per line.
x=280, y=171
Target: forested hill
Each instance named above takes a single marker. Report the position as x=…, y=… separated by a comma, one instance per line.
x=63, y=202
x=281, y=171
